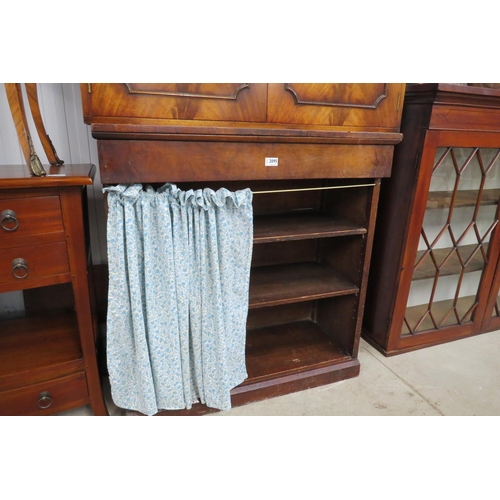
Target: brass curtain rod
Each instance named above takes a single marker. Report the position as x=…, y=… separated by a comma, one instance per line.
x=313, y=189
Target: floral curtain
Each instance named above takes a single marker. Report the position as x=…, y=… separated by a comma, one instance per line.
x=179, y=269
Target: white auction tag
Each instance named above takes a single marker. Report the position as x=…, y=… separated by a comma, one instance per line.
x=271, y=162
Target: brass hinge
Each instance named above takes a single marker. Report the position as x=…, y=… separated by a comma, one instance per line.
x=398, y=104
x=89, y=88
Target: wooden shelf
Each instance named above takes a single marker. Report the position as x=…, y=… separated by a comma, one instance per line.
x=439, y=310
x=34, y=349
x=300, y=226
x=289, y=348
x=427, y=269
x=287, y=283
x=442, y=199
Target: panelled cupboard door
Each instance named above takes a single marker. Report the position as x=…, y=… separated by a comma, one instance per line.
x=366, y=106
x=245, y=102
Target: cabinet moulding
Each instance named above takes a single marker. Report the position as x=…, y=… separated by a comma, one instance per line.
x=288, y=88
x=232, y=97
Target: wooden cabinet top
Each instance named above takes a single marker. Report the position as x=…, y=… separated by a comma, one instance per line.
x=18, y=176
x=209, y=132
x=165, y=110
x=445, y=106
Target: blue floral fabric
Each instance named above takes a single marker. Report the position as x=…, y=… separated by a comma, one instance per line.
x=179, y=271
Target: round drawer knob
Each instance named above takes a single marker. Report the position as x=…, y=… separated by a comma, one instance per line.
x=20, y=268
x=9, y=220
x=44, y=400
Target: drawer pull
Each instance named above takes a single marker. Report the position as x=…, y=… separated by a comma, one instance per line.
x=9, y=218
x=20, y=268
x=44, y=400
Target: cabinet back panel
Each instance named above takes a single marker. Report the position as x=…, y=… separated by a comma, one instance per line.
x=286, y=252
x=345, y=256
x=338, y=316
x=279, y=315
x=352, y=203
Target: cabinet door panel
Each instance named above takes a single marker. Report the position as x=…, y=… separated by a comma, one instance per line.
x=353, y=105
x=453, y=243
x=178, y=101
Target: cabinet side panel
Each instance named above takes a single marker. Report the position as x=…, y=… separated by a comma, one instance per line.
x=396, y=202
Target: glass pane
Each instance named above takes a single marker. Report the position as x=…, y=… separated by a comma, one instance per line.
x=460, y=217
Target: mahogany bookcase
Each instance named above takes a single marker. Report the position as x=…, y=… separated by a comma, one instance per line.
x=313, y=154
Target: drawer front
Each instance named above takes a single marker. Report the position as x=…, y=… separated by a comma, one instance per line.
x=46, y=398
x=185, y=161
x=30, y=216
x=32, y=266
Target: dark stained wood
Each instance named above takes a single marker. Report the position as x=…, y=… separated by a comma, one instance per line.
x=442, y=199
x=396, y=202
x=50, y=299
x=344, y=256
x=339, y=315
x=491, y=320
x=311, y=249
x=184, y=130
x=39, y=348
x=284, y=202
x=63, y=394
x=289, y=383
x=123, y=161
x=301, y=226
x=277, y=386
x=276, y=285
x=434, y=116
x=284, y=252
x=289, y=348
x=352, y=203
x=350, y=256
x=280, y=315
x=101, y=275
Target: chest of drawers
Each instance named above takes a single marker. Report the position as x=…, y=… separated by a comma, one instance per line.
x=48, y=358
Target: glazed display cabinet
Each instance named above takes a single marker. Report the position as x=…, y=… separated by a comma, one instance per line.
x=434, y=274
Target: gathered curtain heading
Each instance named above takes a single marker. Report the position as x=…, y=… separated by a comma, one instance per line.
x=179, y=270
